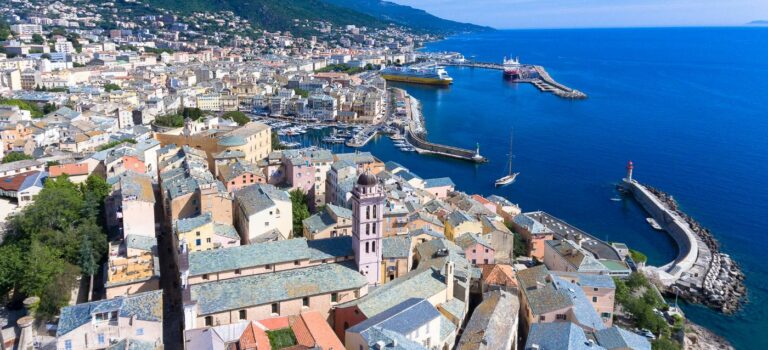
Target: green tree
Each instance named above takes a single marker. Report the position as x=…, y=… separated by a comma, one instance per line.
x=300, y=211
x=192, y=113
x=57, y=293
x=49, y=107
x=11, y=267
x=170, y=121
x=109, y=87
x=15, y=156
x=42, y=265
x=238, y=117
x=38, y=39
x=276, y=145
x=665, y=344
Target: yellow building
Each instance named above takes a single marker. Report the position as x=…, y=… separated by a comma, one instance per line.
x=458, y=223
x=201, y=233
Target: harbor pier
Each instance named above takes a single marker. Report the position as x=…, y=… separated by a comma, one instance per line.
x=425, y=147
x=700, y=273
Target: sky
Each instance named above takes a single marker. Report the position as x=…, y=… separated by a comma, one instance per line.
x=505, y=14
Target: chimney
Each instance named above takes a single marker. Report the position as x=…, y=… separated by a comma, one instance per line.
x=449, y=266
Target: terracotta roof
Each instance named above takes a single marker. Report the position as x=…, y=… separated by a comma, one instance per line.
x=275, y=323
x=13, y=183
x=324, y=336
x=72, y=169
x=254, y=338
x=499, y=275
x=301, y=332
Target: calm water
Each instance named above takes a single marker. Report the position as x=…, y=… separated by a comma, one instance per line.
x=688, y=106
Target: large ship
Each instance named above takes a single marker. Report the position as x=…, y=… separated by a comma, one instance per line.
x=512, y=67
x=432, y=75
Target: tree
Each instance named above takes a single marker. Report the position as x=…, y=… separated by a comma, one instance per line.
x=300, y=211
x=38, y=39
x=109, y=87
x=276, y=145
x=238, y=117
x=15, y=156
x=11, y=267
x=42, y=265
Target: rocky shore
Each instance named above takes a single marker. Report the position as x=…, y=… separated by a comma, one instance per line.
x=723, y=286
x=700, y=338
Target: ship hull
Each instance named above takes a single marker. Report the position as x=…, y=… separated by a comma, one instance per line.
x=417, y=80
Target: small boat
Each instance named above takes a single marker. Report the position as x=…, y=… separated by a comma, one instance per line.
x=291, y=144
x=616, y=199
x=511, y=176
x=654, y=224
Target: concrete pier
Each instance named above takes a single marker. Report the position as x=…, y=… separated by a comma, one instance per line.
x=700, y=273
x=425, y=147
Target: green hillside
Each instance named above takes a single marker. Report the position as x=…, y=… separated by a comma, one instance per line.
x=417, y=19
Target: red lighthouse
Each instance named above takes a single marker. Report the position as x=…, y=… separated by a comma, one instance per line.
x=630, y=166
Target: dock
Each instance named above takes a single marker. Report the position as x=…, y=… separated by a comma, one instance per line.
x=542, y=80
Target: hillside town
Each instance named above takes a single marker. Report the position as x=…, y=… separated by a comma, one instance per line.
x=146, y=202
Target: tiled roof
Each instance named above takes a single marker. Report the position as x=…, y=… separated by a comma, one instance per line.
x=136, y=186
x=147, y=306
x=439, y=182
x=619, y=338
x=189, y=224
x=455, y=307
x=319, y=222
x=426, y=231
x=469, y=239
x=243, y=292
x=493, y=323
x=499, y=275
x=420, y=283
x=579, y=258
x=268, y=253
x=402, y=318
x=396, y=247
x=72, y=169
x=457, y=217
x=559, y=336
x=531, y=225
x=224, y=230
x=18, y=182
x=258, y=197
x=583, y=311
x=541, y=294
x=19, y=164
x=235, y=169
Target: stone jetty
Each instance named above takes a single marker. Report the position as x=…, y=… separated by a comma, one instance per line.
x=723, y=284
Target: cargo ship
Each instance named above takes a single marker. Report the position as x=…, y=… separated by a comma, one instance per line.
x=431, y=75
x=512, y=67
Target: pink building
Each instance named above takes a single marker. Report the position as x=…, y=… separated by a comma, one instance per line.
x=367, y=218
x=477, y=250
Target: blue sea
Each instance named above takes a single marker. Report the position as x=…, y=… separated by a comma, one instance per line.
x=689, y=106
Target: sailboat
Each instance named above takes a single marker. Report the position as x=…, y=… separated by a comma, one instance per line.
x=511, y=176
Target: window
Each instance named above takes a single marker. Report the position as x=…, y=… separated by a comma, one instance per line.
x=305, y=302
x=367, y=229
x=296, y=262
x=139, y=331
x=208, y=240
x=595, y=289
x=560, y=317
x=101, y=338
x=374, y=211
x=594, y=299
x=542, y=318
x=485, y=261
x=276, y=308
x=474, y=261
x=606, y=315
x=486, y=250
x=334, y=297
x=237, y=271
x=205, y=277
x=266, y=223
x=373, y=246
x=242, y=314
x=474, y=251
x=268, y=267
x=367, y=250
x=198, y=242
x=208, y=321
x=374, y=228
x=367, y=212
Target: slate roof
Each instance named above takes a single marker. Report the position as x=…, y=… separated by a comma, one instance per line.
x=132, y=344
x=147, y=306
x=356, y=157
x=319, y=221
x=268, y=253
x=454, y=307
x=420, y=283
x=583, y=311
x=403, y=319
x=235, y=169
x=493, y=323
x=439, y=182
x=136, y=186
x=243, y=292
x=19, y=164
x=426, y=231
x=531, y=225
x=457, y=217
x=559, y=336
x=227, y=231
x=189, y=224
x=395, y=247
x=258, y=197
x=468, y=239
x=619, y=338
x=541, y=294
x=579, y=258
x=140, y=242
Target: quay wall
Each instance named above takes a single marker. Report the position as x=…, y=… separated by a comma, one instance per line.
x=674, y=225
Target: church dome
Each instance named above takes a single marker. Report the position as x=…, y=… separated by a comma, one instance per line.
x=367, y=179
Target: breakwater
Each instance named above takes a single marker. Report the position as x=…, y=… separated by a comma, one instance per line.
x=700, y=273
x=426, y=147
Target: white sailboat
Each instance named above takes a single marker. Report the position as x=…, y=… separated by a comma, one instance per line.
x=511, y=176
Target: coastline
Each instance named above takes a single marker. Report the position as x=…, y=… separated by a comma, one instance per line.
x=698, y=337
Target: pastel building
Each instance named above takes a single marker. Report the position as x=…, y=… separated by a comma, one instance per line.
x=367, y=213
x=135, y=319
x=132, y=266
x=397, y=257
x=493, y=325
x=476, y=249
x=332, y=221
x=264, y=280
x=534, y=233
x=263, y=213
x=131, y=205
x=239, y=174
x=201, y=233
x=458, y=222
x=439, y=187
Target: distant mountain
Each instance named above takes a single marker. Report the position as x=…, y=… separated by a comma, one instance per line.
x=407, y=16
x=758, y=23
x=275, y=15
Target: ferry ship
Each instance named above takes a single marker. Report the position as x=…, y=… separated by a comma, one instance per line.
x=512, y=67
x=431, y=75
